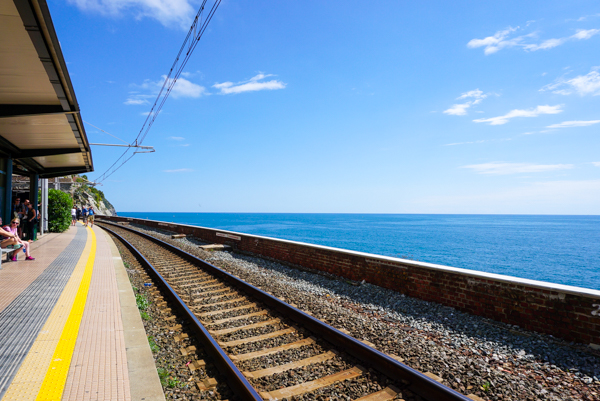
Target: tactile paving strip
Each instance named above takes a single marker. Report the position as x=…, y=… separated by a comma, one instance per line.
x=21, y=321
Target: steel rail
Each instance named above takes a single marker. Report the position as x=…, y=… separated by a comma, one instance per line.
x=397, y=371
x=235, y=379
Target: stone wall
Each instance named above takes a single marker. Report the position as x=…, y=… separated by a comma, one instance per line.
x=571, y=313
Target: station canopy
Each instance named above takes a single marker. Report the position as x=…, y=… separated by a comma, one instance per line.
x=41, y=129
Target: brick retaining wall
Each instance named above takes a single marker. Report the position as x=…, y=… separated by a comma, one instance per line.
x=571, y=313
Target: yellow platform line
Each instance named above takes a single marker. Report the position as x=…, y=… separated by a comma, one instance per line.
x=43, y=373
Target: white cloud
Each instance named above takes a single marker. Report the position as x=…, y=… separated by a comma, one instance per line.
x=501, y=40
x=179, y=170
x=597, y=164
x=569, y=124
x=588, y=84
x=168, y=12
x=176, y=138
x=585, y=17
x=583, y=34
x=500, y=120
x=182, y=88
x=494, y=43
x=498, y=168
x=185, y=88
x=136, y=100
x=460, y=109
x=251, y=85
x=545, y=45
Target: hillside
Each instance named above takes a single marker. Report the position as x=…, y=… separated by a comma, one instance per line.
x=86, y=195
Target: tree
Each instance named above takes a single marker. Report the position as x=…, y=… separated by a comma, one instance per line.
x=59, y=210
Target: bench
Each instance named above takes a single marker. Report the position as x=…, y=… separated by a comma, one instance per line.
x=7, y=250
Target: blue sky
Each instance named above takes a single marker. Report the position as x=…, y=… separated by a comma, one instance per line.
x=344, y=106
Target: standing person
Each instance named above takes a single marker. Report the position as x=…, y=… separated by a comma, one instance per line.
x=14, y=224
x=84, y=215
x=32, y=220
x=73, y=216
x=91, y=216
x=18, y=210
x=78, y=213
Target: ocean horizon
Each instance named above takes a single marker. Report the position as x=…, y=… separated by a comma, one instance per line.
x=562, y=249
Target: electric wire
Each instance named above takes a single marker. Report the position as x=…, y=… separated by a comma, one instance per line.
x=107, y=133
x=195, y=32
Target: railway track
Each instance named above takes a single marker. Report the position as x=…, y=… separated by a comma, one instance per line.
x=268, y=349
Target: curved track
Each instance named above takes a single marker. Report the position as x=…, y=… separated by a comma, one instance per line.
x=237, y=322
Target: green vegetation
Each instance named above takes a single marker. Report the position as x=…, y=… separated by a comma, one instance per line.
x=142, y=302
x=163, y=375
x=145, y=315
x=78, y=194
x=486, y=386
x=166, y=380
x=153, y=346
x=59, y=211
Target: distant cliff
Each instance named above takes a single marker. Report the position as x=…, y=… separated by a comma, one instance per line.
x=86, y=195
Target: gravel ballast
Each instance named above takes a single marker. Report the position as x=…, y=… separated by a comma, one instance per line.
x=471, y=354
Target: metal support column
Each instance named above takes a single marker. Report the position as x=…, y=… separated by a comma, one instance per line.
x=44, y=211
x=8, y=201
x=34, y=198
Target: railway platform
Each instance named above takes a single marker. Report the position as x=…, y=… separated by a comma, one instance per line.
x=69, y=325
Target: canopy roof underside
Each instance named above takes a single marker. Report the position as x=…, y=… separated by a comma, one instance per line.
x=40, y=125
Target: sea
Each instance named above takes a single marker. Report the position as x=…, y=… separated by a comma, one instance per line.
x=556, y=249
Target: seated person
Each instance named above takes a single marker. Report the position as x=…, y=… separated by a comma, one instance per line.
x=13, y=239
x=7, y=239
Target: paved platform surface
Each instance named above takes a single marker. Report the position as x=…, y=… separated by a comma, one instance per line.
x=69, y=324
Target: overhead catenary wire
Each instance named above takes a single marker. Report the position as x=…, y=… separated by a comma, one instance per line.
x=192, y=39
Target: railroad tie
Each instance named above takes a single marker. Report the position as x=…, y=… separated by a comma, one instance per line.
x=208, y=288
x=207, y=384
x=270, y=351
x=245, y=327
x=195, y=365
x=369, y=343
x=388, y=393
x=185, y=351
x=247, y=340
x=207, y=283
x=225, y=302
x=434, y=377
x=218, y=312
x=216, y=297
x=292, y=365
x=313, y=385
x=211, y=293
x=231, y=319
